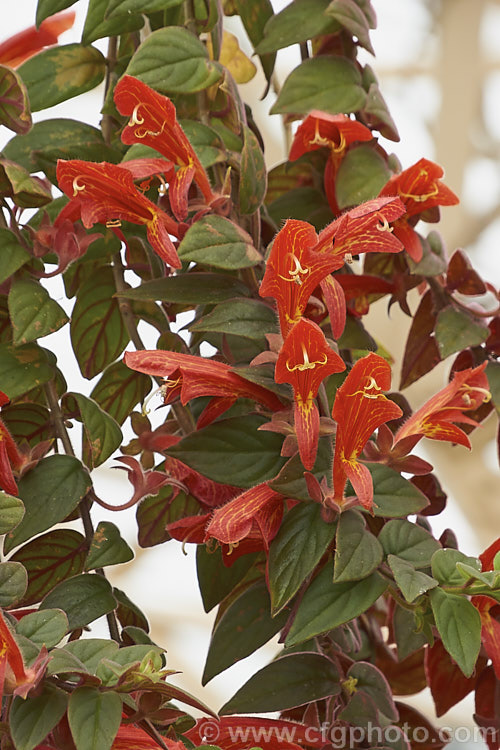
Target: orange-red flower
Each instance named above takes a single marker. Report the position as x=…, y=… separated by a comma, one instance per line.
x=15, y=678
x=26, y=43
x=130, y=737
x=293, y=270
x=420, y=188
x=466, y=392
x=10, y=456
x=103, y=192
x=241, y=732
x=153, y=122
x=189, y=377
x=360, y=407
x=304, y=361
x=489, y=611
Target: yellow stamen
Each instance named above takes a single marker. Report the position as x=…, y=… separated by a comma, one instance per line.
x=348, y=258
x=372, y=385
x=471, y=389
x=135, y=119
x=384, y=226
x=113, y=223
x=295, y=272
x=319, y=139
x=341, y=147
x=306, y=364
x=76, y=187
x=420, y=198
x=162, y=190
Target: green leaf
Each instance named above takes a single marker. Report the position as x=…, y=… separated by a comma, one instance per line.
x=60, y=73
x=298, y=22
x=129, y=615
x=253, y=174
x=301, y=542
x=11, y=512
x=189, y=289
x=409, y=542
x=90, y=651
x=216, y=241
x=33, y=312
x=444, y=566
x=393, y=495
x=28, y=421
x=173, y=60
x=456, y=330
x=31, y=719
x=360, y=177
x=232, y=451
x=349, y=15
x=371, y=699
x=154, y=513
x=98, y=334
x=206, y=142
x=50, y=559
x=13, y=254
x=285, y=683
x=459, y=625
x=332, y=84
x=97, y=26
x=240, y=317
x=254, y=17
x=56, y=484
x=24, y=190
x=13, y=583
x=123, y=7
x=46, y=8
x=102, y=432
x=304, y=203
x=412, y=583
x=214, y=579
x=243, y=628
x=408, y=640
x=326, y=605
x=493, y=375
x=290, y=481
x=119, y=389
x=107, y=547
x=94, y=718
x=83, y=598
x=45, y=627
x=357, y=552
x=15, y=111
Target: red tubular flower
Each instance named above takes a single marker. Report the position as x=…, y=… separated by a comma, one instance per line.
x=489, y=610
x=360, y=407
x=420, y=188
x=10, y=456
x=153, y=122
x=28, y=42
x=466, y=392
x=14, y=676
x=293, y=270
x=241, y=732
x=191, y=377
x=130, y=737
x=305, y=360
x=106, y=193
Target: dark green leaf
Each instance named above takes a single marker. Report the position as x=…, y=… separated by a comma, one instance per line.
x=232, y=451
x=205, y=141
x=83, y=598
x=11, y=512
x=290, y=481
x=90, y=651
x=97, y=26
x=361, y=176
x=14, y=104
x=412, y=583
x=28, y=421
x=326, y=605
x=357, y=552
x=456, y=330
x=285, y=683
x=129, y=615
x=56, y=484
x=444, y=566
x=254, y=17
x=297, y=22
x=189, y=289
x=215, y=580
x=13, y=583
x=60, y=73
x=24, y=190
x=332, y=84
x=459, y=625
x=393, y=494
x=46, y=8
x=305, y=203
x=50, y=559
x=122, y=7
x=371, y=688
x=102, y=433
x=243, y=628
x=94, y=718
x=173, y=60
x=33, y=718
x=119, y=390
x=240, y=317
x=215, y=241
x=98, y=333
x=13, y=254
x=154, y=513
x=33, y=312
x=45, y=627
x=409, y=542
x=493, y=375
x=107, y=547
x=408, y=640
x=253, y=173
x=301, y=542
x=349, y=15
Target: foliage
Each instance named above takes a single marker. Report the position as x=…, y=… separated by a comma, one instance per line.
x=285, y=455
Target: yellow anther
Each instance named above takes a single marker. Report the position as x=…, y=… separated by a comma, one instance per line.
x=384, y=225
x=306, y=364
x=465, y=396
x=135, y=119
x=348, y=258
x=294, y=273
x=113, y=223
x=420, y=198
x=341, y=147
x=76, y=187
x=372, y=385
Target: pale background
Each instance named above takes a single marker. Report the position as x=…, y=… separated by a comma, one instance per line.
x=438, y=63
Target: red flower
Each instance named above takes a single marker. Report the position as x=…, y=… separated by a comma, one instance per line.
x=15, y=678
x=360, y=407
x=466, y=392
x=106, y=193
x=420, y=188
x=335, y=132
x=489, y=611
x=10, y=456
x=28, y=42
x=153, y=122
x=242, y=732
x=191, y=377
x=293, y=270
x=305, y=360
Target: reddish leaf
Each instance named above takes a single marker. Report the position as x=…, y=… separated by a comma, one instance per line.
x=446, y=680
x=421, y=352
x=430, y=487
x=487, y=704
x=421, y=734
x=405, y=677
x=461, y=277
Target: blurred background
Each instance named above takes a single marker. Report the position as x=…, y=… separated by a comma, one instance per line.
x=438, y=64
